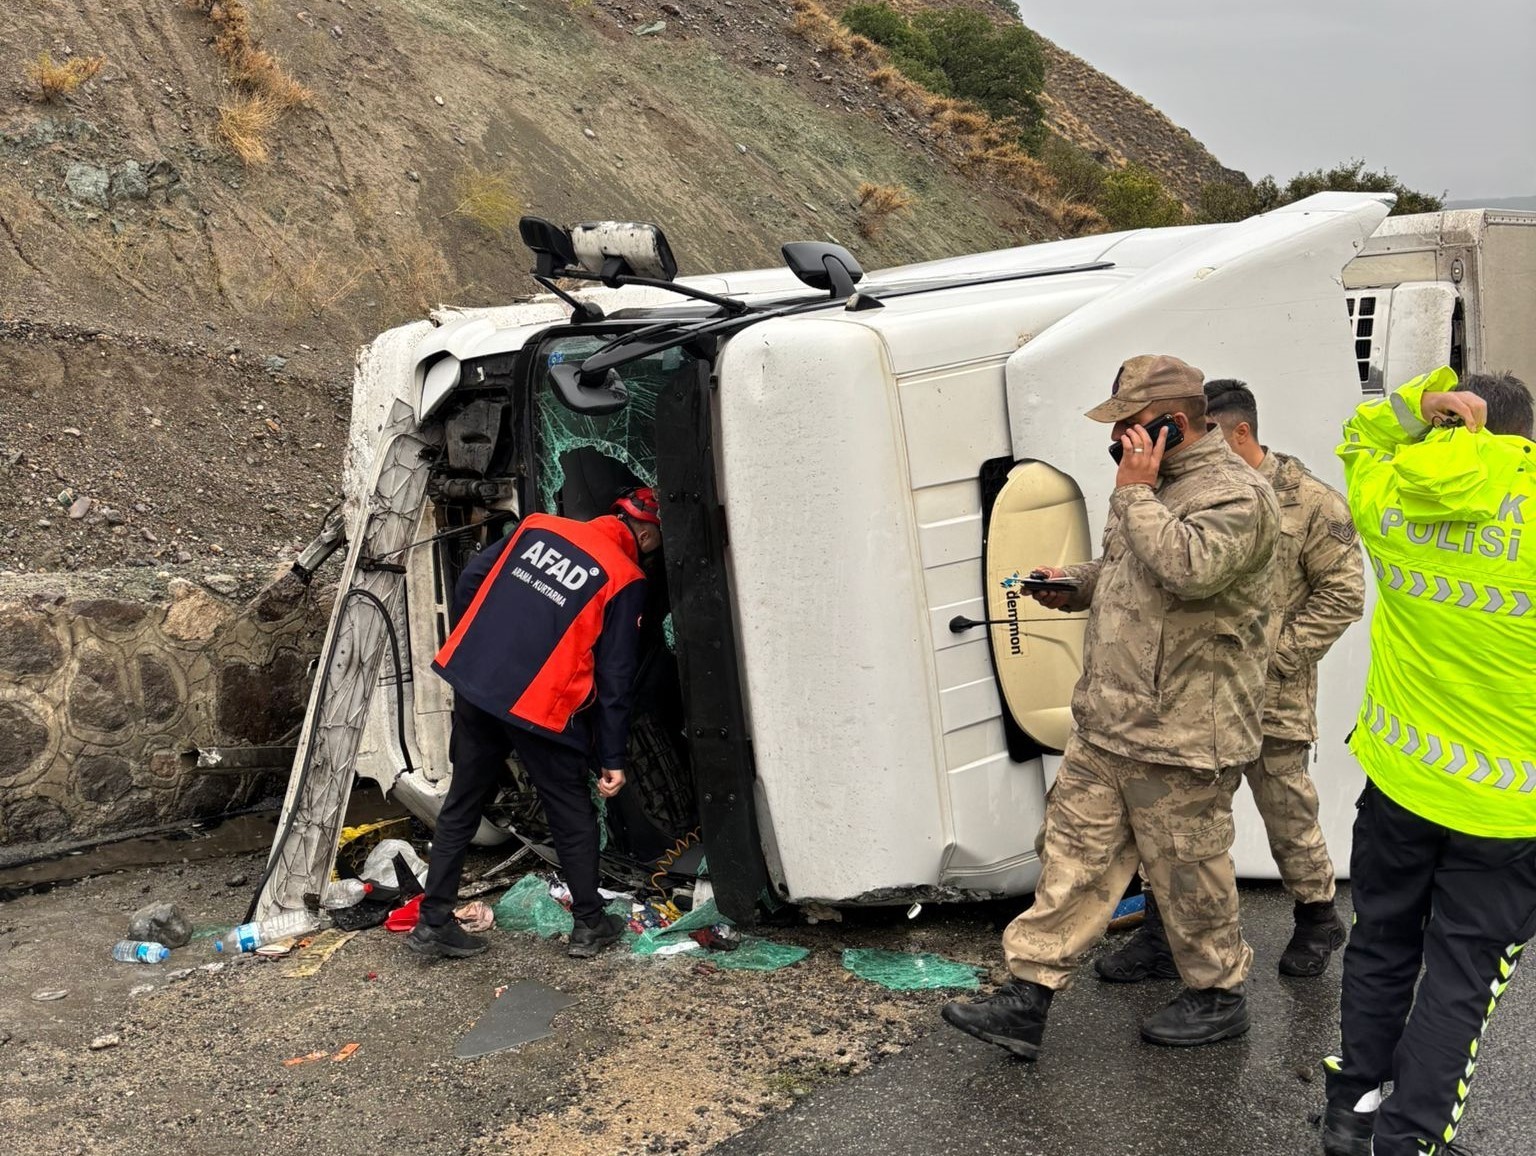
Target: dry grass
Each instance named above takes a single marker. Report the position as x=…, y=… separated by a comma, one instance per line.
x=878, y=204
x=487, y=199
x=825, y=31
x=245, y=123
x=251, y=67
x=1076, y=219
x=56, y=80
x=422, y=276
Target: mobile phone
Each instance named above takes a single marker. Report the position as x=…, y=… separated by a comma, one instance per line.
x=1038, y=581
x=1153, y=428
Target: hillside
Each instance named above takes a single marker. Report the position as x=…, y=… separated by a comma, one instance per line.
x=193, y=316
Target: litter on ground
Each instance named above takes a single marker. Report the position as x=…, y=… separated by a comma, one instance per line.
x=312, y=958
x=910, y=971
x=519, y=1013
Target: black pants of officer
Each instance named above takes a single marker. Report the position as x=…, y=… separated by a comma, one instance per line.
x=1463, y=906
x=562, y=777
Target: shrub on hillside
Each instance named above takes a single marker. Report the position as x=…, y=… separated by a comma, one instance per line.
x=877, y=203
x=1077, y=175
x=1133, y=198
x=960, y=53
x=245, y=123
x=55, y=80
x=487, y=199
x=1226, y=201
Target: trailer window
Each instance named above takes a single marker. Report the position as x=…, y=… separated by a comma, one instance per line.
x=1363, y=317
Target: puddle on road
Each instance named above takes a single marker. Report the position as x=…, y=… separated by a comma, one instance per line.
x=213, y=839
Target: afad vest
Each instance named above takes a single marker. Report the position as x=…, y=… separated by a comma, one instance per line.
x=524, y=646
x=1447, y=728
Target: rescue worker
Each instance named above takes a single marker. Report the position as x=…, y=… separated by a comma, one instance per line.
x=1166, y=715
x=1319, y=589
x=1443, y=869
x=542, y=661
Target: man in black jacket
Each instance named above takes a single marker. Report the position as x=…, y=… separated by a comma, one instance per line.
x=542, y=660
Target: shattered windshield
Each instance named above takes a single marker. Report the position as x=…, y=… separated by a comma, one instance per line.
x=584, y=460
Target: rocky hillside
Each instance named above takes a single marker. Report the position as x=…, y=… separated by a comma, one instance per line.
x=195, y=239
x=1115, y=126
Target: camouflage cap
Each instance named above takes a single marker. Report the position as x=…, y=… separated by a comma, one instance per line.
x=1145, y=379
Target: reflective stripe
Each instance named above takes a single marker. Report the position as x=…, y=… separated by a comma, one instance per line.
x=1438, y=588
x=1498, y=986
x=1408, y=740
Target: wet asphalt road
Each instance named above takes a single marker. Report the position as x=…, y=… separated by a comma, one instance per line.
x=1099, y=1091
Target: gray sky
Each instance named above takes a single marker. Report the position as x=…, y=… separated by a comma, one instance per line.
x=1439, y=92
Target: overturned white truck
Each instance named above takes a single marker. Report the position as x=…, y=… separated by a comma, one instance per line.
x=850, y=467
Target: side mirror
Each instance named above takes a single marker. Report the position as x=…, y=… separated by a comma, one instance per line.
x=575, y=394
x=550, y=243
x=820, y=265
x=610, y=249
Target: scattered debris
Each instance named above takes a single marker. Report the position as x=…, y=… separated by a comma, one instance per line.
x=910, y=971
x=100, y=1043
x=519, y=1013
x=404, y=917
x=140, y=989
x=528, y=906
x=160, y=923
x=345, y=1054
x=309, y=1059
x=320, y=949
x=379, y=867
x=49, y=996
x=820, y=913
x=1129, y=912
x=476, y=916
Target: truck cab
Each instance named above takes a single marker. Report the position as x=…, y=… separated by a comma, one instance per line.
x=844, y=694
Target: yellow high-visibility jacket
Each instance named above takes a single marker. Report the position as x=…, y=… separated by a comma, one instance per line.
x=1448, y=518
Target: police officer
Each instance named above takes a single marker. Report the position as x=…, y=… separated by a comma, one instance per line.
x=1319, y=589
x=1166, y=714
x=542, y=662
x=1443, y=869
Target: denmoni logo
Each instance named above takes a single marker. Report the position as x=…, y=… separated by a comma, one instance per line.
x=557, y=567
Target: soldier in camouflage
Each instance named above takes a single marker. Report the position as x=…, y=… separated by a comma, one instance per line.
x=1319, y=589
x=1166, y=715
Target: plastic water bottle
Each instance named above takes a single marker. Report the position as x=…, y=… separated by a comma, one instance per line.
x=250, y=936
x=344, y=893
x=138, y=951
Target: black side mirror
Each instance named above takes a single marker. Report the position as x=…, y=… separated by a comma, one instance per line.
x=551, y=245
x=609, y=397
x=824, y=266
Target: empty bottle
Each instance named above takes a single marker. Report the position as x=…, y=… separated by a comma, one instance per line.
x=138, y=951
x=250, y=936
x=344, y=893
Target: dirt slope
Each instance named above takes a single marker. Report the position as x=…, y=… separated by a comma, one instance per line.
x=123, y=212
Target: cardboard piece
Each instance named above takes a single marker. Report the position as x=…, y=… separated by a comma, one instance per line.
x=519, y=1013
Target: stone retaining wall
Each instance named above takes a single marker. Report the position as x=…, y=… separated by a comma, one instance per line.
x=103, y=699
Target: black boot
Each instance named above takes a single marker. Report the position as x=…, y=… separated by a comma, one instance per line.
x=1198, y=1016
x=1146, y=956
x=1347, y=1132
x=587, y=941
x=450, y=939
x=1319, y=933
x=1013, y=1018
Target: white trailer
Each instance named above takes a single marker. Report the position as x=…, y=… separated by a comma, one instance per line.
x=844, y=472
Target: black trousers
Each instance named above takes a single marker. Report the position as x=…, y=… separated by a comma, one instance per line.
x=560, y=774
x=1463, y=906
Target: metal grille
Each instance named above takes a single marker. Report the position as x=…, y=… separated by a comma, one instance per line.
x=1363, y=319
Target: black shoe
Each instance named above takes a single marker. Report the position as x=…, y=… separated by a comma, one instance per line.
x=450, y=939
x=1146, y=956
x=588, y=941
x=1347, y=1132
x=1013, y=1018
x=1319, y=933
x=1198, y=1016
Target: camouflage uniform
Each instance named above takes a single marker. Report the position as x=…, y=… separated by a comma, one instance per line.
x=1166, y=714
x=1319, y=590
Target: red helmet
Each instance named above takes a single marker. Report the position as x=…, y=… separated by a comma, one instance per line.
x=640, y=504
